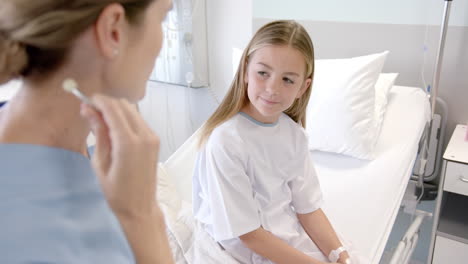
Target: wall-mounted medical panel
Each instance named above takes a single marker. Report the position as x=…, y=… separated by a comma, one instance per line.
x=183, y=59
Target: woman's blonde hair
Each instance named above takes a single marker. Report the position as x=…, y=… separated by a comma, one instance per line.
x=281, y=32
x=35, y=35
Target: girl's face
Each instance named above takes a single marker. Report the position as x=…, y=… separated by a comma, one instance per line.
x=275, y=78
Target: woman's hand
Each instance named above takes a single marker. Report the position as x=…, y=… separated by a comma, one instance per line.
x=125, y=157
x=125, y=160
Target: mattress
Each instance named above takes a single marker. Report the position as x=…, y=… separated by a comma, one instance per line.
x=362, y=198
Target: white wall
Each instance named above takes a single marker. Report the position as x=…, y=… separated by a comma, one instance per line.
x=8, y=90
x=412, y=12
x=175, y=112
x=229, y=27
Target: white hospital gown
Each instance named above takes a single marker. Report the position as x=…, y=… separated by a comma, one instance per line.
x=251, y=175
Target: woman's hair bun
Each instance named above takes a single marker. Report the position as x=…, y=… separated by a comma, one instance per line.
x=13, y=59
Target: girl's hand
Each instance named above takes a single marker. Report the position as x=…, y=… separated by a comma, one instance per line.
x=345, y=257
x=125, y=157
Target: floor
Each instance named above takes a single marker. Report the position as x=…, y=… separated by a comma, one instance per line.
x=402, y=223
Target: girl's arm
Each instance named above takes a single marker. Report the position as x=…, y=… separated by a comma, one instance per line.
x=320, y=230
x=269, y=246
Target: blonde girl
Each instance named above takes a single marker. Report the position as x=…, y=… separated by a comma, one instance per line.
x=254, y=187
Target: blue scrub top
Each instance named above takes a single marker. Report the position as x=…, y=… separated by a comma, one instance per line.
x=52, y=210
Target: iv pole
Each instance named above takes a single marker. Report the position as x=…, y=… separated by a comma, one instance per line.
x=407, y=245
x=440, y=54
x=435, y=88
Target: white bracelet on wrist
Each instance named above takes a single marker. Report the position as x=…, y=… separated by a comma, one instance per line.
x=334, y=255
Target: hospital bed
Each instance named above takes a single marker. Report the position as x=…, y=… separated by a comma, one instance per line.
x=362, y=198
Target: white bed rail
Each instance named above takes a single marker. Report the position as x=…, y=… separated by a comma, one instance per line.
x=406, y=246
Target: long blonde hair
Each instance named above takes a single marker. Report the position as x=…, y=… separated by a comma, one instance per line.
x=281, y=32
x=35, y=35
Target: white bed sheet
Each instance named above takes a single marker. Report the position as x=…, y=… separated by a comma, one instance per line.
x=362, y=198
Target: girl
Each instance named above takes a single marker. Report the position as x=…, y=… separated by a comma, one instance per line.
x=53, y=209
x=254, y=187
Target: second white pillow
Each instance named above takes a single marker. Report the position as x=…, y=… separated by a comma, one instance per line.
x=341, y=110
x=382, y=88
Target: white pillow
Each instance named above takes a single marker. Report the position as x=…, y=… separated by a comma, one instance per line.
x=341, y=110
x=382, y=88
